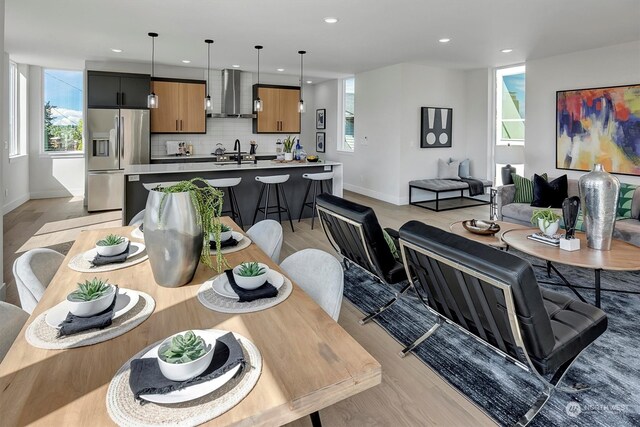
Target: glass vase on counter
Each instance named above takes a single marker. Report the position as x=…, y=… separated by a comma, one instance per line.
x=279, y=150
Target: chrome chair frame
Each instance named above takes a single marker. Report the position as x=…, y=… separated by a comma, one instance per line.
x=521, y=357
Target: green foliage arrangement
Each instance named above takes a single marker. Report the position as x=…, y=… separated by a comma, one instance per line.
x=250, y=269
x=288, y=144
x=90, y=290
x=110, y=240
x=207, y=202
x=224, y=228
x=547, y=215
x=184, y=348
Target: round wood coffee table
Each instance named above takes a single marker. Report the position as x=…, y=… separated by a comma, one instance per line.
x=494, y=240
x=623, y=256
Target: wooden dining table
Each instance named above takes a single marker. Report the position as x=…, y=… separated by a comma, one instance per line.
x=309, y=361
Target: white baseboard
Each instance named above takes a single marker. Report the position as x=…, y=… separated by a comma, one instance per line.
x=371, y=193
x=51, y=194
x=14, y=204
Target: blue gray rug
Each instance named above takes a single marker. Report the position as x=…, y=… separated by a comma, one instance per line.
x=611, y=366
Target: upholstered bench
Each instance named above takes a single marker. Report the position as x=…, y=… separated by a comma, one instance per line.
x=438, y=186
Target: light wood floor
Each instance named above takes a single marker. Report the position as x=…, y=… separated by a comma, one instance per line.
x=411, y=394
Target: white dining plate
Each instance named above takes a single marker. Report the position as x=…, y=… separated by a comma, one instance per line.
x=194, y=391
x=137, y=234
x=135, y=248
x=127, y=299
x=236, y=235
x=222, y=287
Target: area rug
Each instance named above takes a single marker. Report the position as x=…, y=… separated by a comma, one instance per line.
x=504, y=391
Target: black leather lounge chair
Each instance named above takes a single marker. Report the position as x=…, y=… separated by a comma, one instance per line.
x=495, y=296
x=354, y=232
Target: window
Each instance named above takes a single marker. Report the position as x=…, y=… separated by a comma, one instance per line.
x=14, y=145
x=510, y=119
x=62, y=111
x=347, y=141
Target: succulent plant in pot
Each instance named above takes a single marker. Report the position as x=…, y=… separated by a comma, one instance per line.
x=226, y=233
x=250, y=275
x=179, y=220
x=547, y=220
x=288, y=147
x=90, y=297
x=183, y=356
x=111, y=244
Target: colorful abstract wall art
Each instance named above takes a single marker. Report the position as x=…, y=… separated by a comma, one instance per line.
x=600, y=125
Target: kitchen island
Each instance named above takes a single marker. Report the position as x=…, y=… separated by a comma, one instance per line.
x=247, y=192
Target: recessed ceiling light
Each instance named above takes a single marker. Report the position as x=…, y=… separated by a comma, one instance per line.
x=186, y=61
x=309, y=82
x=330, y=20
x=281, y=69
x=506, y=50
x=445, y=40
x=116, y=50
x=235, y=66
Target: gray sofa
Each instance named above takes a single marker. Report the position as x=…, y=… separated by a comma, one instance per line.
x=520, y=213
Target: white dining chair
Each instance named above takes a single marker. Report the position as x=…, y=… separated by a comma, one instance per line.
x=138, y=218
x=12, y=319
x=33, y=271
x=320, y=275
x=267, y=234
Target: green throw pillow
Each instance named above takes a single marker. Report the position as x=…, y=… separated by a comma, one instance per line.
x=625, y=199
x=524, y=188
x=392, y=245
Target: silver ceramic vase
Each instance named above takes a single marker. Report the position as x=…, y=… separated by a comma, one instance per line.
x=599, y=191
x=173, y=238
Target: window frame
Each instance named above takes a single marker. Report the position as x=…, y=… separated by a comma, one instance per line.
x=15, y=148
x=342, y=145
x=498, y=75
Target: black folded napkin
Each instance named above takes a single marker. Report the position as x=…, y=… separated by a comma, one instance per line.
x=265, y=291
x=99, y=260
x=230, y=242
x=74, y=324
x=146, y=377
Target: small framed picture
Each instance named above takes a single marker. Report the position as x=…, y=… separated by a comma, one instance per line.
x=320, y=118
x=320, y=145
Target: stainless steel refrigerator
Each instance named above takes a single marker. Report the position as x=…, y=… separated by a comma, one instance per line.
x=117, y=138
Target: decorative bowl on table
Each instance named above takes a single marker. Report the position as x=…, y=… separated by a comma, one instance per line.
x=111, y=245
x=184, y=355
x=225, y=235
x=250, y=275
x=312, y=159
x=481, y=227
x=91, y=297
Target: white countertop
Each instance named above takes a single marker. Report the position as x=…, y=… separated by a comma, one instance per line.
x=212, y=167
x=202, y=156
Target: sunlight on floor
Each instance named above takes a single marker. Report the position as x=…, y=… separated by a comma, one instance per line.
x=85, y=221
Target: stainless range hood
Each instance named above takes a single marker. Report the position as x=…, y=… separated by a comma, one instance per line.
x=231, y=96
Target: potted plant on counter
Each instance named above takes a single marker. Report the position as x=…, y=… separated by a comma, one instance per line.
x=288, y=148
x=178, y=222
x=547, y=220
x=184, y=356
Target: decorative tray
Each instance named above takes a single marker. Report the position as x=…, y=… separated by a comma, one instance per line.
x=478, y=226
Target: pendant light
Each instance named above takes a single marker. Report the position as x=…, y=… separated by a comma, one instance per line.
x=257, y=103
x=208, y=105
x=152, y=99
x=301, y=102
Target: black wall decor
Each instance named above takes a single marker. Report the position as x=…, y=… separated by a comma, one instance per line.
x=435, y=127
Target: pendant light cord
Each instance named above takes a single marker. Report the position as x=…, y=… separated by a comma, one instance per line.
x=258, y=65
x=153, y=54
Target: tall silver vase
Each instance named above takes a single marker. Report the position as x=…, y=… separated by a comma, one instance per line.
x=599, y=192
x=173, y=238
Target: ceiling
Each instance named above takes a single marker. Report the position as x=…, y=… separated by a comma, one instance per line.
x=369, y=34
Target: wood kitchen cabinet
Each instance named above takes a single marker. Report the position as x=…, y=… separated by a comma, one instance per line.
x=180, y=106
x=280, y=109
x=117, y=90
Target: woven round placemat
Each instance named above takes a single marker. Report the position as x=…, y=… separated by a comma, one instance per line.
x=242, y=244
x=125, y=410
x=78, y=263
x=40, y=334
x=210, y=299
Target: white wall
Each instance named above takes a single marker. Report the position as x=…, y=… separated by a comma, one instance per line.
x=608, y=66
x=3, y=153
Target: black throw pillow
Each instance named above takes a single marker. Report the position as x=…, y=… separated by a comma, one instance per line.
x=549, y=193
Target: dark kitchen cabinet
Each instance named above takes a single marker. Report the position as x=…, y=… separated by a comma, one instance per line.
x=117, y=90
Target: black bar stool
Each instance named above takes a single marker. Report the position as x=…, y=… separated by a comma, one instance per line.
x=267, y=182
x=229, y=183
x=317, y=179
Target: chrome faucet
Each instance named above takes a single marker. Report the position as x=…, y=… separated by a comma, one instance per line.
x=236, y=146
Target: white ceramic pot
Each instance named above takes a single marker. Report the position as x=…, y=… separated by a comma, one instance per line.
x=224, y=236
x=288, y=156
x=551, y=229
x=250, y=283
x=112, y=250
x=91, y=308
x=184, y=371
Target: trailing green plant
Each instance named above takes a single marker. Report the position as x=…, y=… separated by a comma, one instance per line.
x=224, y=228
x=110, y=240
x=91, y=290
x=288, y=144
x=250, y=269
x=207, y=201
x=184, y=348
x=547, y=215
